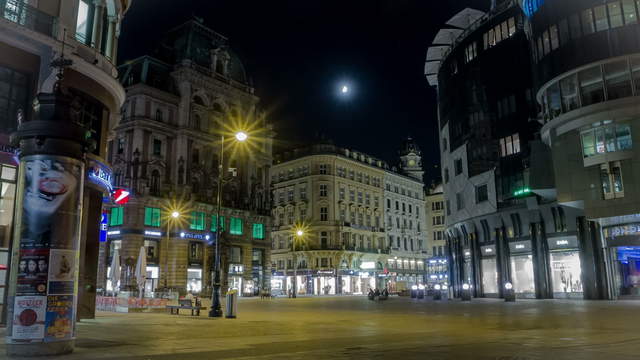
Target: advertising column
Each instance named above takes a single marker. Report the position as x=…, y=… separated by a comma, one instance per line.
x=44, y=277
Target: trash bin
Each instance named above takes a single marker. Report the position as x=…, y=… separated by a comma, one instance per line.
x=232, y=304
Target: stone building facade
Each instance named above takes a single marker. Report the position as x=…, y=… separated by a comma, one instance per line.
x=337, y=197
x=166, y=150
x=436, y=242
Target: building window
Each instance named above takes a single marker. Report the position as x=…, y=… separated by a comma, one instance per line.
x=323, y=169
x=303, y=192
x=195, y=251
x=615, y=14
x=157, y=147
x=611, y=178
x=84, y=22
x=290, y=195
x=235, y=226
x=617, y=79
x=601, y=21
x=120, y=145
x=588, y=26
x=629, y=10
x=303, y=214
x=258, y=231
x=117, y=216
x=342, y=193
x=471, y=52
x=197, y=220
x=604, y=139
x=448, y=208
x=359, y=197
x=510, y=145
x=14, y=97
x=459, y=201
x=152, y=250
x=591, y=86
x=446, y=175
x=458, y=166
x=151, y=216
x=482, y=193
x=324, y=214
x=323, y=190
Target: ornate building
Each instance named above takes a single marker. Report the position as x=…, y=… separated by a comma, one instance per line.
x=167, y=147
x=338, y=197
x=436, y=243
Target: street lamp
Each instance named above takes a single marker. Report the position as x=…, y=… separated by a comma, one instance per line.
x=216, y=306
x=170, y=220
x=299, y=233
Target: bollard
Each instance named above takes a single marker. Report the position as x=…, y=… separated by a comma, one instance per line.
x=466, y=292
x=509, y=293
x=437, y=294
x=420, y=291
x=232, y=304
x=444, y=294
x=414, y=291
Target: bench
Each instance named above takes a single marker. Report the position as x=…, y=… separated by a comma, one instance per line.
x=186, y=304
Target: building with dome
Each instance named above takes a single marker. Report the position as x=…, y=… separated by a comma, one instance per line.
x=166, y=148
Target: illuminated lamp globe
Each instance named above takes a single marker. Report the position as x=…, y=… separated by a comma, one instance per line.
x=508, y=286
x=241, y=136
x=175, y=214
x=437, y=287
x=414, y=287
x=465, y=286
x=299, y=233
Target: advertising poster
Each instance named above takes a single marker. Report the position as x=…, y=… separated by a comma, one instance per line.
x=29, y=318
x=59, y=318
x=33, y=268
x=50, y=214
x=62, y=272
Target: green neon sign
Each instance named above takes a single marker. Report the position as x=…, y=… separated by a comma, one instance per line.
x=522, y=192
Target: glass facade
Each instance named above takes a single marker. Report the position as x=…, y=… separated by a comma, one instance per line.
x=565, y=272
x=7, y=203
x=489, y=276
x=605, y=139
x=522, y=274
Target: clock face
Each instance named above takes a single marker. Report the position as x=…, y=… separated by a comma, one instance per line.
x=412, y=163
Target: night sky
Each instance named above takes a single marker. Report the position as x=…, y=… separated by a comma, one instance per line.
x=299, y=52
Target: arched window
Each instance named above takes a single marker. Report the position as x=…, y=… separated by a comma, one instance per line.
x=198, y=100
x=159, y=115
x=155, y=183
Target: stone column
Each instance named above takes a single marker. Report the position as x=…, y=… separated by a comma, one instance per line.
x=96, y=33
x=111, y=34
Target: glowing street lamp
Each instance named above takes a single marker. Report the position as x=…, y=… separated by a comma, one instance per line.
x=299, y=234
x=175, y=214
x=216, y=305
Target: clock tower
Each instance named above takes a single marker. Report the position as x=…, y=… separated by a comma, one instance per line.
x=411, y=159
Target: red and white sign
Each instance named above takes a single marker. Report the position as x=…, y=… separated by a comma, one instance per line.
x=120, y=196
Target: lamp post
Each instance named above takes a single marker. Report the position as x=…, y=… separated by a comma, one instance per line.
x=298, y=235
x=173, y=217
x=216, y=306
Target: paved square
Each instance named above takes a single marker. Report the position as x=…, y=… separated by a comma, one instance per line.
x=354, y=327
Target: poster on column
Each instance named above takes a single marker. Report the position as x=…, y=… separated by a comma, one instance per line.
x=33, y=268
x=59, y=318
x=29, y=318
x=62, y=272
x=51, y=204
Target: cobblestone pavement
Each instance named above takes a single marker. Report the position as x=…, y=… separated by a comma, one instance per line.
x=354, y=327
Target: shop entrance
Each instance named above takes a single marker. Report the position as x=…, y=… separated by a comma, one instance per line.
x=628, y=270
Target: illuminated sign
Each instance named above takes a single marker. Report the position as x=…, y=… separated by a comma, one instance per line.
x=104, y=223
x=624, y=230
x=488, y=250
x=522, y=192
x=519, y=246
x=113, y=232
x=562, y=242
x=120, y=196
x=152, y=233
x=186, y=235
x=530, y=7
x=100, y=174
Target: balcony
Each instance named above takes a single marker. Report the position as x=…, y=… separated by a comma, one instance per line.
x=29, y=17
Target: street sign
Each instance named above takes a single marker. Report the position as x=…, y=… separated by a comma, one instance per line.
x=104, y=222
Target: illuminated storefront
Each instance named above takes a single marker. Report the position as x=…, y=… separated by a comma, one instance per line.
x=489, y=271
x=522, y=276
x=565, y=267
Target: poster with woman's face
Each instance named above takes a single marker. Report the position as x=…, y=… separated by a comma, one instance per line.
x=51, y=203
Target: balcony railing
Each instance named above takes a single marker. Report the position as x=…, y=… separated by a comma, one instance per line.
x=20, y=13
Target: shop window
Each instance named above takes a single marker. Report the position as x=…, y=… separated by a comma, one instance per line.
x=591, y=86
x=117, y=216
x=611, y=178
x=151, y=216
x=197, y=221
x=482, y=193
x=489, y=276
x=194, y=280
x=566, y=272
x=214, y=223
x=617, y=79
x=629, y=11
x=258, y=231
x=235, y=226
